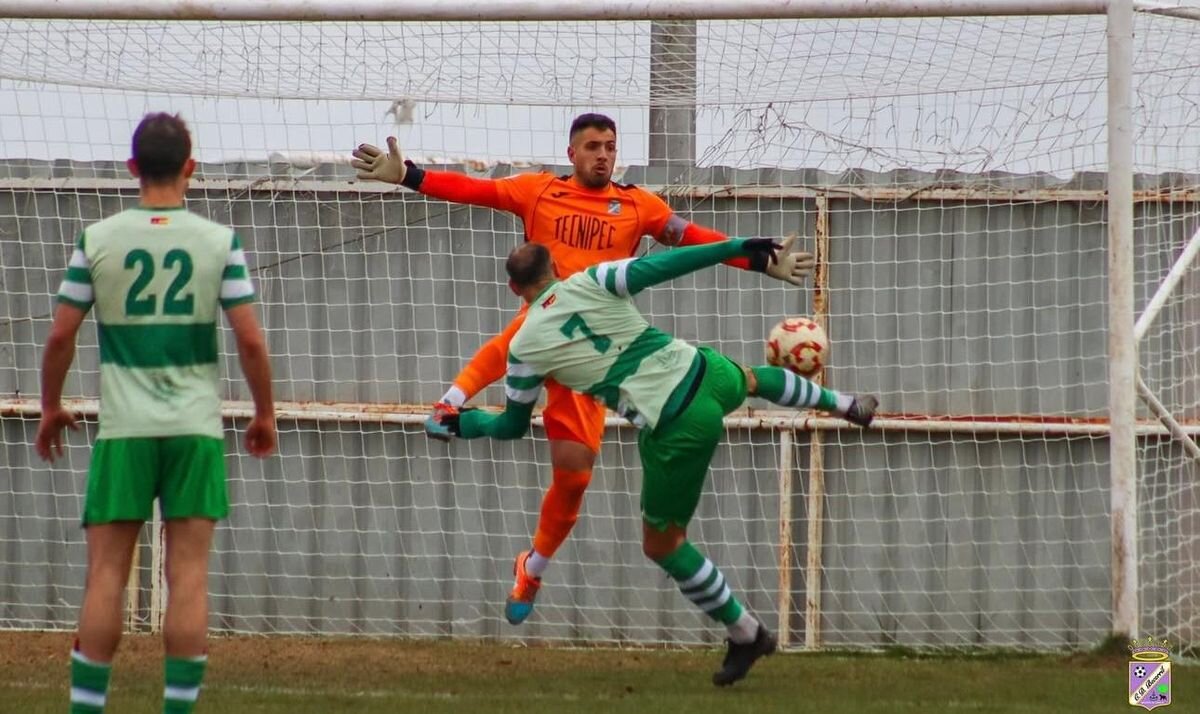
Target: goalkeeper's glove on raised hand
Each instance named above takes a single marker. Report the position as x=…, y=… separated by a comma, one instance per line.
x=762, y=252
x=782, y=263
x=373, y=164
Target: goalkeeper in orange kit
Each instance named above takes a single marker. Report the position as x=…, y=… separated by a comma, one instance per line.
x=583, y=219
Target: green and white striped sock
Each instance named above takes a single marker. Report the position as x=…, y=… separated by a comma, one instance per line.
x=89, y=684
x=184, y=676
x=788, y=389
x=700, y=581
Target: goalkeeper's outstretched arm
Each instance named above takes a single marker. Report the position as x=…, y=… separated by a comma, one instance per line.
x=374, y=164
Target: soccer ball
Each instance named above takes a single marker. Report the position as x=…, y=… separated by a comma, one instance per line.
x=799, y=344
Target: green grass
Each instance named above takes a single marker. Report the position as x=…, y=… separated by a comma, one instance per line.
x=335, y=676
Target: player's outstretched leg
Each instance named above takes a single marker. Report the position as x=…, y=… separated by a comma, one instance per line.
x=788, y=389
x=675, y=459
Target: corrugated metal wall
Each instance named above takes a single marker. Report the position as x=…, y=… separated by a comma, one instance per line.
x=941, y=307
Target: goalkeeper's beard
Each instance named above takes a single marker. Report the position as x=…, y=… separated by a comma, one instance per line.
x=594, y=179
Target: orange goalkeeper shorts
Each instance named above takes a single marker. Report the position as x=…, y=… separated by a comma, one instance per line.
x=571, y=416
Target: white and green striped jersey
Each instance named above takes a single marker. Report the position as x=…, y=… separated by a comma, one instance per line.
x=587, y=334
x=158, y=278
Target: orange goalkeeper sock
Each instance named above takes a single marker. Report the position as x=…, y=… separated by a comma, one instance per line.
x=560, y=510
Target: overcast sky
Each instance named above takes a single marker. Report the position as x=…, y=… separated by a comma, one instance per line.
x=973, y=94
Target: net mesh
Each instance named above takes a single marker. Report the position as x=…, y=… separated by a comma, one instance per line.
x=947, y=170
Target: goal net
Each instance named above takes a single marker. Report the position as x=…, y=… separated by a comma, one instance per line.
x=1167, y=292
x=948, y=172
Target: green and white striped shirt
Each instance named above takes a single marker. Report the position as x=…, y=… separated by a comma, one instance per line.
x=586, y=334
x=157, y=278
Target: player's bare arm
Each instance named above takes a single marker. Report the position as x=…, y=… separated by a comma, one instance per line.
x=56, y=361
x=256, y=366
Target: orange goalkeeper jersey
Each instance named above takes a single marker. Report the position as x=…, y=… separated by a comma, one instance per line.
x=580, y=226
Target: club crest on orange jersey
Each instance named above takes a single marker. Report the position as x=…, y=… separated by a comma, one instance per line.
x=549, y=301
x=614, y=207
x=159, y=220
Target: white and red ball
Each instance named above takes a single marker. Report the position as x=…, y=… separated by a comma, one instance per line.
x=799, y=344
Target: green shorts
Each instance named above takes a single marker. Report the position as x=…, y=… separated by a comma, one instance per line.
x=186, y=474
x=676, y=454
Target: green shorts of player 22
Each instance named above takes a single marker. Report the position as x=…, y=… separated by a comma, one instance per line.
x=676, y=453
x=186, y=474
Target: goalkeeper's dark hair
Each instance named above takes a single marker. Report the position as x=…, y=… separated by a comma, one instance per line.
x=591, y=120
x=161, y=146
x=529, y=264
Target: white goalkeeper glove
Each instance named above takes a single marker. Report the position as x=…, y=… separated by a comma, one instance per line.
x=374, y=165
x=791, y=267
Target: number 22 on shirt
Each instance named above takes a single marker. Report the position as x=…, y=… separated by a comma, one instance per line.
x=140, y=303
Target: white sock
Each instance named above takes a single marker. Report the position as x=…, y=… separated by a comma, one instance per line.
x=536, y=564
x=744, y=629
x=77, y=655
x=843, y=403
x=455, y=397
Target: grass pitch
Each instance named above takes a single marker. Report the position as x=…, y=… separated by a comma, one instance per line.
x=281, y=675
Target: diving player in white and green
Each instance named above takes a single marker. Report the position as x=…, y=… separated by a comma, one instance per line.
x=585, y=333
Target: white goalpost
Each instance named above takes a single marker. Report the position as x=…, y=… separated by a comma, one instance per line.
x=1003, y=196
x=526, y=10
